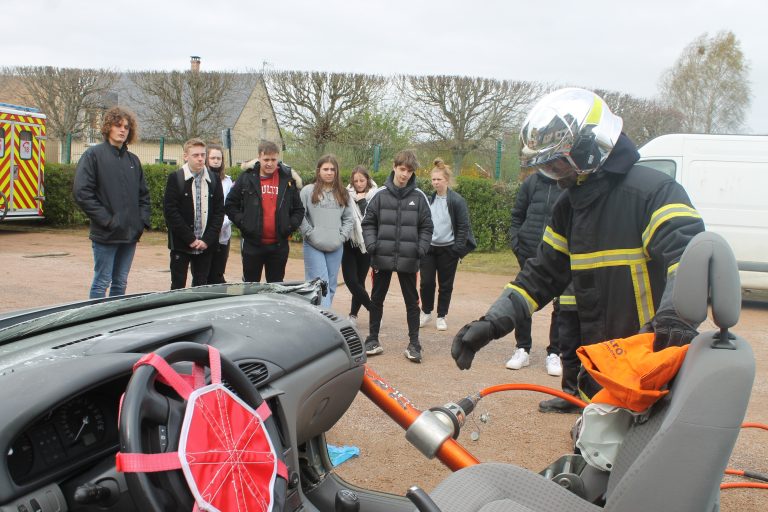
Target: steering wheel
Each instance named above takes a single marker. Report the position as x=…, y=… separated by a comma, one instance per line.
x=151, y=419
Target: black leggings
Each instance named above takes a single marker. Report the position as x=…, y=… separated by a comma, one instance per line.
x=354, y=267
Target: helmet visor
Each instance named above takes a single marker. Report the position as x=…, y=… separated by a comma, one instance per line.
x=558, y=169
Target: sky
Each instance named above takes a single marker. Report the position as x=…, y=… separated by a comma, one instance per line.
x=615, y=45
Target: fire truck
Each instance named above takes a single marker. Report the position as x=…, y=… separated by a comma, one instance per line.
x=22, y=162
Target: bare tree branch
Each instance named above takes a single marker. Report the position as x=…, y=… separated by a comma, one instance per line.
x=709, y=85
x=186, y=104
x=644, y=119
x=319, y=106
x=67, y=96
x=465, y=113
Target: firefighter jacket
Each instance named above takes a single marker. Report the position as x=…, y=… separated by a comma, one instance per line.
x=397, y=227
x=619, y=236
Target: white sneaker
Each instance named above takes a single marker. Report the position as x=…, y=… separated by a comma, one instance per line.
x=554, y=366
x=440, y=324
x=353, y=320
x=519, y=359
x=424, y=319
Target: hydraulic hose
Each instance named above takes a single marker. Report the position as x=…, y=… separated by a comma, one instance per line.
x=754, y=425
x=746, y=473
x=743, y=485
x=533, y=387
x=455, y=456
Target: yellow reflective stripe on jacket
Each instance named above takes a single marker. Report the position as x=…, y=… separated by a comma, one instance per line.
x=533, y=306
x=672, y=269
x=611, y=258
x=635, y=259
x=558, y=242
x=662, y=215
x=641, y=283
x=567, y=300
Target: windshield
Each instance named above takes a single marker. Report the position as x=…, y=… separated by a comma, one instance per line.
x=27, y=323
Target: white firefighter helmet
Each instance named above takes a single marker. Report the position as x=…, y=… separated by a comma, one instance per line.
x=574, y=125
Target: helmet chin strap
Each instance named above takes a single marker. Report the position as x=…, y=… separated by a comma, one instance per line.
x=569, y=181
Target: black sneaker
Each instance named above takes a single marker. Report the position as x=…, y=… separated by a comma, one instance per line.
x=373, y=348
x=560, y=405
x=413, y=353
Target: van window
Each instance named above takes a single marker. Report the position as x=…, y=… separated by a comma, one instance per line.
x=668, y=167
x=25, y=145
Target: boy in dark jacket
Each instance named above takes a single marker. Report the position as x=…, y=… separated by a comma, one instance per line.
x=265, y=206
x=194, y=212
x=397, y=229
x=110, y=188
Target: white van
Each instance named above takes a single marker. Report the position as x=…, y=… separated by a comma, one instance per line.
x=726, y=177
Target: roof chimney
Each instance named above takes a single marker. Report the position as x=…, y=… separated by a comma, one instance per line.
x=195, y=62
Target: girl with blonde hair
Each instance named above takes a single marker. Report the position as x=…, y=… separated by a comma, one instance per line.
x=452, y=239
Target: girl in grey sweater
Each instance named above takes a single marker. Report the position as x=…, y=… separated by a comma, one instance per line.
x=327, y=224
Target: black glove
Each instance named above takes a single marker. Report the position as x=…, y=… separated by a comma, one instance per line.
x=671, y=331
x=471, y=338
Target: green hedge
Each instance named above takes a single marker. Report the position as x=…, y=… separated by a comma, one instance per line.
x=490, y=203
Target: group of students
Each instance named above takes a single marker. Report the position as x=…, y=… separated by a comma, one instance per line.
x=610, y=246
x=394, y=228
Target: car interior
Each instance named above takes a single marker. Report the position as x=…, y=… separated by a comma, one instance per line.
x=64, y=371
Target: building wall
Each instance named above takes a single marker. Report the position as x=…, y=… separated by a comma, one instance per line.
x=257, y=122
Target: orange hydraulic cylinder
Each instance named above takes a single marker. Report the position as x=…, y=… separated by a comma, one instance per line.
x=400, y=409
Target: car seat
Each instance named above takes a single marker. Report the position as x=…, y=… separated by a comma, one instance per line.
x=675, y=460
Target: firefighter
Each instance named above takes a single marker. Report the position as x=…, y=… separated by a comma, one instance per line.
x=618, y=233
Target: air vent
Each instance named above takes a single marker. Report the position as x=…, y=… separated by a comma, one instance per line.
x=129, y=327
x=353, y=341
x=257, y=373
x=329, y=315
x=63, y=345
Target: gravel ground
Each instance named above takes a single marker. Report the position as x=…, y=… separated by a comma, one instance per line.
x=41, y=267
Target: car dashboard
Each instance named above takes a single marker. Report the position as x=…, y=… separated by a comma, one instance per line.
x=61, y=386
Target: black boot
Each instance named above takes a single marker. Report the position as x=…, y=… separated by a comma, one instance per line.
x=569, y=385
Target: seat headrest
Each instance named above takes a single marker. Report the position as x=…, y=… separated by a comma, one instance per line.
x=708, y=269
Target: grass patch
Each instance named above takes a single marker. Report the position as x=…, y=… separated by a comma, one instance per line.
x=498, y=263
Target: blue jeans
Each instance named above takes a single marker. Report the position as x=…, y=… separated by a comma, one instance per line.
x=324, y=265
x=111, y=264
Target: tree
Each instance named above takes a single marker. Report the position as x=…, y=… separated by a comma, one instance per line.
x=465, y=113
x=370, y=128
x=709, y=84
x=644, y=119
x=320, y=106
x=72, y=99
x=186, y=104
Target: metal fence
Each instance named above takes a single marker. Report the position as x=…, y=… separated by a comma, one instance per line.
x=497, y=160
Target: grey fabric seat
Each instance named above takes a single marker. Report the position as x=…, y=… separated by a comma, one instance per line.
x=674, y=461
